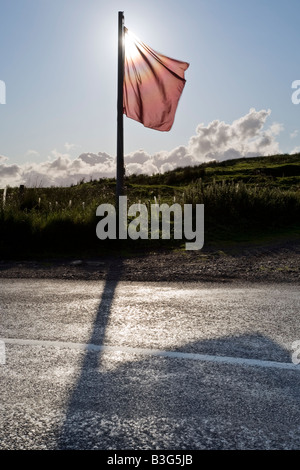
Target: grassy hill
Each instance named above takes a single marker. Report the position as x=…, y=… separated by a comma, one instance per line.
x=245, y=199
x=277, y=171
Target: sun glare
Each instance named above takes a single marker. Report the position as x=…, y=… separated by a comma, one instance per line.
x=131, y=49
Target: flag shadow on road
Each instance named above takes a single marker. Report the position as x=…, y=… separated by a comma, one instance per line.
x=85, y=385
x=148, y=402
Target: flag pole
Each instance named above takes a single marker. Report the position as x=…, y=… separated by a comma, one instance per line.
x=120, y=132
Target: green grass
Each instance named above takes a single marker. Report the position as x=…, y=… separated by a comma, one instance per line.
x=246, y=201
x=273, y=170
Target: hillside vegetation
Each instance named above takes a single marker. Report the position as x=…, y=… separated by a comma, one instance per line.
x=243, y=199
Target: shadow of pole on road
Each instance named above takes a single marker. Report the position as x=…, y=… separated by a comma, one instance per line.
x=91, y=360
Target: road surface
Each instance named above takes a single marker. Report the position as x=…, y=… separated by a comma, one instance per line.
x=146, y=365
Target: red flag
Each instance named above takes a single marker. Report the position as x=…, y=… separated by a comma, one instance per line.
x=153, y=84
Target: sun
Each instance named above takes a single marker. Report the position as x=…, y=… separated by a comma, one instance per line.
x=131, y=45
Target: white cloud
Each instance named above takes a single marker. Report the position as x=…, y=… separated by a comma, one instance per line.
x=244, y=137
x=276, y=128
x=294, y=134
x=296, y=150
x=138, y=156
x=32, y=153
x=69, y=147
x=93, y=159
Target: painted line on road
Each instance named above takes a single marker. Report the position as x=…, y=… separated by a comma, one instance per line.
x=154, y=352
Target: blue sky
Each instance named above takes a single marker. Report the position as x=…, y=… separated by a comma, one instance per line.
x=59, y=64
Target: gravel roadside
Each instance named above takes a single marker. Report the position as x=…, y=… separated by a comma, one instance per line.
x=271, y=263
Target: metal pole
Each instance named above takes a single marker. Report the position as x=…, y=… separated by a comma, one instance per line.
x=120, y=132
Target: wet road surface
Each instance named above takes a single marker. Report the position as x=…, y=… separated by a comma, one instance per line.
x=134, y=365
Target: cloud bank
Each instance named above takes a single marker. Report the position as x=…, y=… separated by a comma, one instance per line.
x=244, y=137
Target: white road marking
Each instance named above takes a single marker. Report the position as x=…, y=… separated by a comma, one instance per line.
x=151, y=352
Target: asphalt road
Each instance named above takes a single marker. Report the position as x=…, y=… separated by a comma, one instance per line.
x=135, y=365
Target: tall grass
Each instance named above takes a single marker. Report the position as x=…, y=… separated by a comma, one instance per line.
x=56, y=221
x=237, y=203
